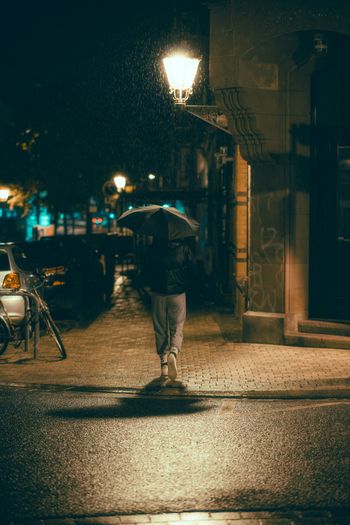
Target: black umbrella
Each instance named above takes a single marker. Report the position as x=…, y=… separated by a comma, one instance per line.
x=162, y=222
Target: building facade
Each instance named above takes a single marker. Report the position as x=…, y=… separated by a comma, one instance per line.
x=280, y=70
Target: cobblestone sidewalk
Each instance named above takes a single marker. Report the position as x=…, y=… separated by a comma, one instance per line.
x=117, y=352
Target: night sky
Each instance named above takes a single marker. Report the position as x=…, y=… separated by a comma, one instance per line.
x=87, y=77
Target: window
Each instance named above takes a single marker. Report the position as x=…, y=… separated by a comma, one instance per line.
x=22, y=260
x=4, y=261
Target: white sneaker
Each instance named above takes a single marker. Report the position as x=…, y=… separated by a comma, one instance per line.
x=172, y=363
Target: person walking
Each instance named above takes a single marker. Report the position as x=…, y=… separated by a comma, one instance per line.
x=168, y=269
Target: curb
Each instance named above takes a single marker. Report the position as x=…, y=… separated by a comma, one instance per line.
x=341, y=392
x=223, y=517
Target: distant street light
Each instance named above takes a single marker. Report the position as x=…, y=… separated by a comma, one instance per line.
x=181, y=71
x=119, y=181
x=155, y=181
x=4, y=194
x=112, y=191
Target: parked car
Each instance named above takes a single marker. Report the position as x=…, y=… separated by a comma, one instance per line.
x=16, y=271
x=78, y=276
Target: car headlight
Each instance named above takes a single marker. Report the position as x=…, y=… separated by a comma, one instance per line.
x=12, y=281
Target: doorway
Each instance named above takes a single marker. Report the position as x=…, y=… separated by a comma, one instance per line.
x=330, y=195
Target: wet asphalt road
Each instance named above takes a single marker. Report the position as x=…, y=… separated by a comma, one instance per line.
x=78, y=454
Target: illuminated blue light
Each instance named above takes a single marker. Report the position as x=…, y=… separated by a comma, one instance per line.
x=30, y=222
x=112, y=215
x=179, y=206
x=32, y=219
x=44, y=217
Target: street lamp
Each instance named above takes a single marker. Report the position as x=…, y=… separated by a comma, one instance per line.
x=154, y=181
x=181, y=71
x=112, y=190
x=119, y=181
x=4, y=194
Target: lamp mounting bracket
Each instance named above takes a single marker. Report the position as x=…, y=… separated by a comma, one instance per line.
x=210, y=114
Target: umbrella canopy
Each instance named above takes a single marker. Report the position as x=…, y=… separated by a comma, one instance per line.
x=162, y=222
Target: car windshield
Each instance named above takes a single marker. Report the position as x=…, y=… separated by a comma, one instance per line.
x=23, y=261
x=4, y=261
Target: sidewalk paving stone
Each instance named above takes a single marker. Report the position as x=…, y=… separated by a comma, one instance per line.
x=307, y=517
x=116, y=351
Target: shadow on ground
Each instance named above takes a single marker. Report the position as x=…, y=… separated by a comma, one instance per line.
x=158, y=404
x=15, y=359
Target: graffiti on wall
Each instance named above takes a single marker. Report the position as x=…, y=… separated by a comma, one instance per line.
x=266, y=269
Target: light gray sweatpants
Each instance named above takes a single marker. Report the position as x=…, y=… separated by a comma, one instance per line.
x=168, y=315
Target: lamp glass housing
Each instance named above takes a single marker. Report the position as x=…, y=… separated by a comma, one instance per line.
x=4, y=194
x=119, y=181
x=181, y=71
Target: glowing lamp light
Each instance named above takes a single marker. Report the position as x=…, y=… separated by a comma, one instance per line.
x=151, y=176
x=119, y=181
x=4, y=194
x=181, y=71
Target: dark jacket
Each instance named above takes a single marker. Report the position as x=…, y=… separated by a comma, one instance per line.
x=169, y=267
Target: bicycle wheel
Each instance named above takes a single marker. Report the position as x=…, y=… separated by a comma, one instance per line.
x=5, y=336
x=53, y=332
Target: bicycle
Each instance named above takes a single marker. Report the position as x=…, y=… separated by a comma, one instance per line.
x=36, y=313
